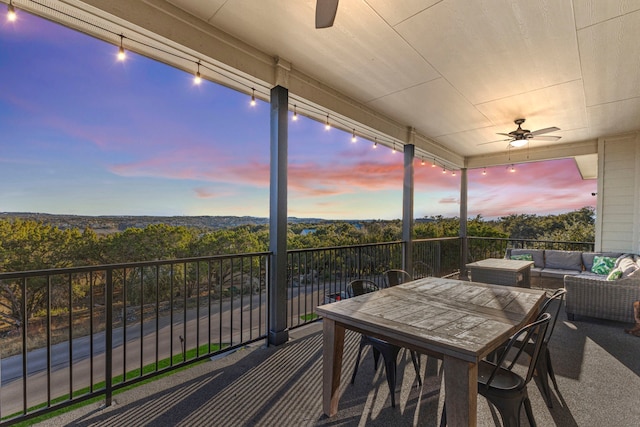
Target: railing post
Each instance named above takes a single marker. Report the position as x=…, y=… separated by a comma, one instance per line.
x=108, y=360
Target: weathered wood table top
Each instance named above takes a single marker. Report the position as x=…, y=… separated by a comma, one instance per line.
x=501, y=264
x=458, y=321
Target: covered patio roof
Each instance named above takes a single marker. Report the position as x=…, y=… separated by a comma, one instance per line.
x=445, y=76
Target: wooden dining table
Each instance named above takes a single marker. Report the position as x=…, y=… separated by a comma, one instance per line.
x=457, y=321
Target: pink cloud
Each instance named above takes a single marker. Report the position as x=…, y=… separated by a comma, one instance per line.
x=203, y=193
x=448, y=201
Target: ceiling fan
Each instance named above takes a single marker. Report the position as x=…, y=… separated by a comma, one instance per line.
x=520, y=137
x=325, y=13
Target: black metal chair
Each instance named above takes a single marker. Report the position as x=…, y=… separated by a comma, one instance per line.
x=544, y=368
x=397, y=277
x=389, y=351
x=505, y=389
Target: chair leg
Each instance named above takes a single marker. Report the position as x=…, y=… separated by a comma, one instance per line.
x=542, y=369
x=376, y=358
x=509, y=410
x=390, y=366
x=529, y=412
x=551, y=373
x=415, y=358
x=355, y=370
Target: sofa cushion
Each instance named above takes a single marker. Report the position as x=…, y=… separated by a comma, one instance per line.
x=615, y=274
x=522, y=257
x=537, y=255
x=564, y=260
x=635, y=273
x=587, y=258
x=626, y=265
x=558, y=273
x=602, y=265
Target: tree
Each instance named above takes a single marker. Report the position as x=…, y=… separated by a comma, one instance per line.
x=31, y=245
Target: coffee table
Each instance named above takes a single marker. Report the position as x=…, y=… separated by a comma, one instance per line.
x=499, y=271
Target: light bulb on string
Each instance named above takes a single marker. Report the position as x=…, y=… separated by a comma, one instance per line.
x=444, y=169
x=453, y=173
x=327, y=126
x=394, y=148
x=375, y=143
x=422, y=162
x=513, y=169
x=11, y=12
x=295, y=114
x=353, y=136
x=121, y=54
x=253, y=97
x=484, y=171
x=433, y=165
x=197, y=79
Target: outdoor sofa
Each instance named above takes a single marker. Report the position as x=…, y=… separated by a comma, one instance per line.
x=606, y=294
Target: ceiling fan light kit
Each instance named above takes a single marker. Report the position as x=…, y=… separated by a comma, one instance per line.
x=520, y=137
x=519, y=143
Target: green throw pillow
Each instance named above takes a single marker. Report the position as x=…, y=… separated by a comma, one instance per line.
x=602, y=264
x=616, y=273
x=522, y=257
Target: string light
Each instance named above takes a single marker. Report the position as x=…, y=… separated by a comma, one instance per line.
x=422, y=163
x=453, y=173
x=295, y=114
x=375, y=143
x=11, y=12
x=394, y=148
x=253, y=97
x=433, y=165
x=121, y=54
x=353, y=136
x=484, y=171
x=197, y=79
x=512, y=169
x=327, y=126
x=444, y=169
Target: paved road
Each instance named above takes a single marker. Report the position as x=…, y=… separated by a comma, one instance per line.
x=228, y=325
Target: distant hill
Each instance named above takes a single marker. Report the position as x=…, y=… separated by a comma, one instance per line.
x=111, y=224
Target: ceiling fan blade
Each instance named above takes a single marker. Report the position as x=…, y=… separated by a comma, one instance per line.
x=545, y=130
x=546, y=137
x=325, y=13
x=497, y=140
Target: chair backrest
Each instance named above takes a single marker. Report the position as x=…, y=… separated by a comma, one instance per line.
x=360, y=287
x=533, y=333
x=396, y=277
x=558, y=296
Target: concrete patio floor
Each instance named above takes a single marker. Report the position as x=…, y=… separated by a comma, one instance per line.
x=597, y=366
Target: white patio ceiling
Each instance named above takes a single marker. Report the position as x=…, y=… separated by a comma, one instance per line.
x=456, y=71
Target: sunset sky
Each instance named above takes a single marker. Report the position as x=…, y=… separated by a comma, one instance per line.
x=82, y=133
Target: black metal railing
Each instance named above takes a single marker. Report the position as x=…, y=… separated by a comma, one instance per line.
x=318, y=276
x=436, y=257
x=489, y=247
x=77, y=333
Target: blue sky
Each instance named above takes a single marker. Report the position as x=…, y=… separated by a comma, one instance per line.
x=82, y=133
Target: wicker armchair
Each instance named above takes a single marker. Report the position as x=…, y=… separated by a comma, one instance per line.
x=603, y=299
